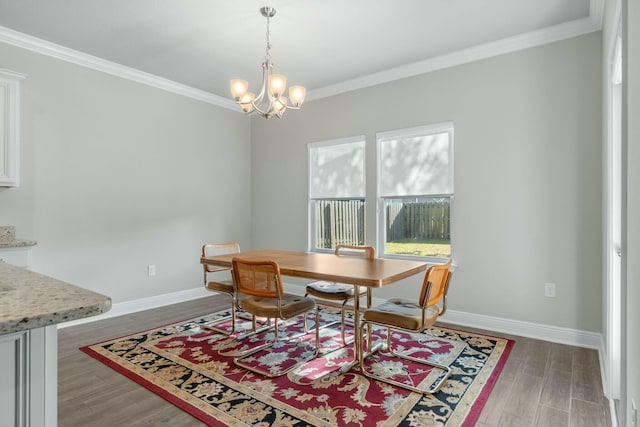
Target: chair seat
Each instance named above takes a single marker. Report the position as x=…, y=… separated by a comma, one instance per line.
x=292, y=305
x=225, y=286
x=402, y=313
x=332, y=291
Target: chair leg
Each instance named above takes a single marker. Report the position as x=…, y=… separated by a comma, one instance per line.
x=306, y=328
x=212, y=325
x=434, y=387
x=344, y=341
x=342, y=329
x=239, y=360
x=234, y=316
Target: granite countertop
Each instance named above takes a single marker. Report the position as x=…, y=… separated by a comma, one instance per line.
x=17, y=243
x=31, y=300
x=8, y=238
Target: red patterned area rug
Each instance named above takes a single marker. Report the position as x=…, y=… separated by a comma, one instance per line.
x=192, y=367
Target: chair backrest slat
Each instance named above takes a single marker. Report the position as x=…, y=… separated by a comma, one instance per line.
x=438, y=276
x=368, y=252
x=218, y=249
x=257, y=277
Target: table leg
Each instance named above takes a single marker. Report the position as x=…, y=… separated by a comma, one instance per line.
x=360, y=354
x=357, y=347
x=357, y=340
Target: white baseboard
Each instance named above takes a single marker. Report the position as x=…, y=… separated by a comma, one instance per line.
x=127, y=307
x=538, y=331
x=525, y=329
x=516, y=327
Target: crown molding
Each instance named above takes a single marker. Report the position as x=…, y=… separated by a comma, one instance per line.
x=12, y=74
x=44, y=47
x=512, y=44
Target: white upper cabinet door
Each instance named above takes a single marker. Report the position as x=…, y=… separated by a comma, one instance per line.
x=10, y=128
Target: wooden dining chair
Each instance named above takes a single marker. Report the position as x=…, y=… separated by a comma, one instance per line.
x=222, y=286
x=260, y=283
x=412, y=316
x=340, y=292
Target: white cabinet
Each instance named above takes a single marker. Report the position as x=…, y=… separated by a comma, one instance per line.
x=14, y=392
x=10, y=128
x=28, y=378
x=18, y=256
x=29, y=350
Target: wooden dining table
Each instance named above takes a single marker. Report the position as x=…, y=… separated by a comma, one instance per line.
x=355, y=271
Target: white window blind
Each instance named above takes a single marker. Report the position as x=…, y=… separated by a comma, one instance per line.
x=416, y=161
x=336, y=169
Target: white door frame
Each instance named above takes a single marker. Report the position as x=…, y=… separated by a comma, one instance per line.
x=613, y=245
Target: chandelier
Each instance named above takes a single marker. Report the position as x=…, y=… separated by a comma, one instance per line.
x=270, y=101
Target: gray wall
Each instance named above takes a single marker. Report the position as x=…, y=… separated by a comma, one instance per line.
x=527, y=206
x=117, y=175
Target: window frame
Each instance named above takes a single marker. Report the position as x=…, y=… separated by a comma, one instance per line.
x=381, y=220
x=312, y=231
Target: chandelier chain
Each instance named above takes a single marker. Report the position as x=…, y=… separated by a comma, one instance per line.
x=267, y=56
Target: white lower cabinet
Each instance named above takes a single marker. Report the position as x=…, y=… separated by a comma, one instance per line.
x=18, y=256
x=14, y=391
x=28, y=378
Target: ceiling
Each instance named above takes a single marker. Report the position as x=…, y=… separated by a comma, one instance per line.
x=329, y=46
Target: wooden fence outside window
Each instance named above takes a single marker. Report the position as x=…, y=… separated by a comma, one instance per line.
x=422, y=219
x=340, y=222
x=343, y=222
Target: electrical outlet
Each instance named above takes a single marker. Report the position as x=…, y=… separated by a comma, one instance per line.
x=151, y=270
x=550, y=290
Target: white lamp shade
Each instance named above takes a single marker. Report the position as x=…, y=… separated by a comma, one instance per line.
x=277, y=84
x=238, y=88
x=246, y=100
x=296, y=95
x=279, y=105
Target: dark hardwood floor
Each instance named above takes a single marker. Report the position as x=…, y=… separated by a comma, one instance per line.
x=542, y=383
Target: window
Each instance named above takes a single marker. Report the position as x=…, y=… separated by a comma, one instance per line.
x=336, y=193
x=415, y=188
